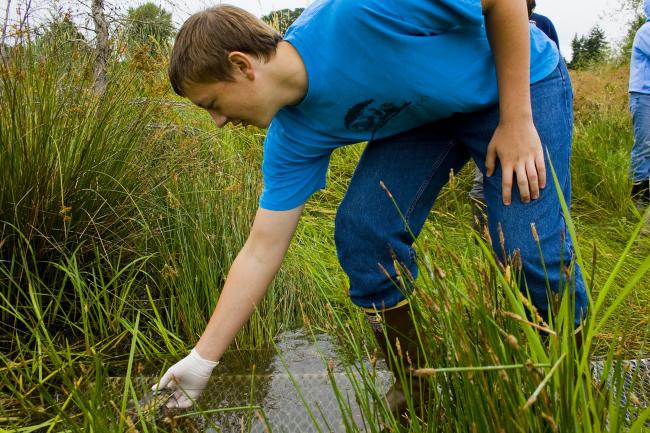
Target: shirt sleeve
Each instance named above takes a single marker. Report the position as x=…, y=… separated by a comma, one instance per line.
x=291, y=171
x=642, y=40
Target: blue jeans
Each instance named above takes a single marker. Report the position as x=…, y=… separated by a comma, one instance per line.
x=415, y=165
x=640, y=156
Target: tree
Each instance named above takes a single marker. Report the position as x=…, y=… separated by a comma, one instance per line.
x=626, y=45
x=150, y=25
x=282, y=19
x=589, y=49
x=576, y=49
x=102, y=48
x=4, y=24
x=633, y=5
x=596, y=45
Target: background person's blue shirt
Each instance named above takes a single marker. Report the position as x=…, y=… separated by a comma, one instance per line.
x=376, y=68
x=640, y=62
x=545, y=25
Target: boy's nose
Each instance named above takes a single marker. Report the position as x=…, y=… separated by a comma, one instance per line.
x=219, y=119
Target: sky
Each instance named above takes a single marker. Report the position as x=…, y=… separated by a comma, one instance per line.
x=569, y=16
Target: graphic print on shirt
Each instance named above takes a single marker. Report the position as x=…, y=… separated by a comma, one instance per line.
x=369, y=117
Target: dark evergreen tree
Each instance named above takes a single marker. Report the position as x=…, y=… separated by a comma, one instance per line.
x=576, y=48
x=589, y=49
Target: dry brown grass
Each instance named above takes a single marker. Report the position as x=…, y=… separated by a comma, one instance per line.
x=602, y=89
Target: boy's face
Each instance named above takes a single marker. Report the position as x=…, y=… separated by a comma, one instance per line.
x=236, y=102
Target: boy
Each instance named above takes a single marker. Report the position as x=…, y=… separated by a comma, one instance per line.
x=428, y=85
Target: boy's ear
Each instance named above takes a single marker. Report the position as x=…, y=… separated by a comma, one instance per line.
x=242, y=63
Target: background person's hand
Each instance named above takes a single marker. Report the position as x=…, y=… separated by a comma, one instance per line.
x=188, y=377
x=519, y=150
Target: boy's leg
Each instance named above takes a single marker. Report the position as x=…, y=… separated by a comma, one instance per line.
x=552, y=104
x=413, y=166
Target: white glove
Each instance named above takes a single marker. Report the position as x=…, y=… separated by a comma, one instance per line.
x=188, y=377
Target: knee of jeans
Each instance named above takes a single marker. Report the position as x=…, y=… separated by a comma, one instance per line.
x=351, y=235
x=362, y=245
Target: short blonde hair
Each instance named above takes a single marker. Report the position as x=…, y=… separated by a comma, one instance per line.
x=205, y=40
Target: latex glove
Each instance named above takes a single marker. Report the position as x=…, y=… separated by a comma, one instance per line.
x=188, y=377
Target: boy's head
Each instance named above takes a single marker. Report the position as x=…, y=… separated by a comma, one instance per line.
x=531, y=6
x=202, y=46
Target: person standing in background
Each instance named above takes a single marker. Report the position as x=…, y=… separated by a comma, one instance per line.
x=477, y=194
x=639, y=89
x=543, y=23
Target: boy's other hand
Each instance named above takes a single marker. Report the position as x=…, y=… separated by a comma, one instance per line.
x=517, y=146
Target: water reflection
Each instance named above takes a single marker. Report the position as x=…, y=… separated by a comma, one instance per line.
x=292, y=388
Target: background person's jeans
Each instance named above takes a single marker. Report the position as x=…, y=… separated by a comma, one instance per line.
x=640, y=155
x=415, y=165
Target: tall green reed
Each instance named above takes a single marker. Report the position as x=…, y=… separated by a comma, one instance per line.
x=489, y=369
x=72, y=159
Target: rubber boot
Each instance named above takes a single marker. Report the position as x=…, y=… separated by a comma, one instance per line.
x=641, y=194
x=396, y=335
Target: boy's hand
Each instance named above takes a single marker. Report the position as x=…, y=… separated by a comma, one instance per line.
x=188, y=377
x=517, y=146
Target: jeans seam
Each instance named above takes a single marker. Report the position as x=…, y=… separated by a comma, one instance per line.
x=427, y=181
x=568, y=125
x=423, y=187
x=567, y=244
x=564, y=96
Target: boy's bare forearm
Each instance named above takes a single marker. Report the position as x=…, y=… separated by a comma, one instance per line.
x=509, y=34
x=248, y=280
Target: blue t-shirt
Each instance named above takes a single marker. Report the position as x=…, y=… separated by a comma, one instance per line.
x=377, y=68
x=545, y=25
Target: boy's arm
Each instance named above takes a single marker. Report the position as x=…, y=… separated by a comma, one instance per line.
x=642, y=40
x=250, y=275
x=515, y=142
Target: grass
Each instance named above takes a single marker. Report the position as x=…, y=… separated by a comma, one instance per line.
x=121, y=213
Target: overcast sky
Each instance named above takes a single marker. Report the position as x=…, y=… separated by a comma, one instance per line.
x=569, y=16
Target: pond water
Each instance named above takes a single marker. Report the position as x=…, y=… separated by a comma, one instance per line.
x=303, y=385
x=308, y=383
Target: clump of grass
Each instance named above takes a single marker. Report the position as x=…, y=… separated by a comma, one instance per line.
x=603, y=139
x=488, y=367
x=72, y=159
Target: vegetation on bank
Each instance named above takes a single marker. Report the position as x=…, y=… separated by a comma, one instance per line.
x=121, y=212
